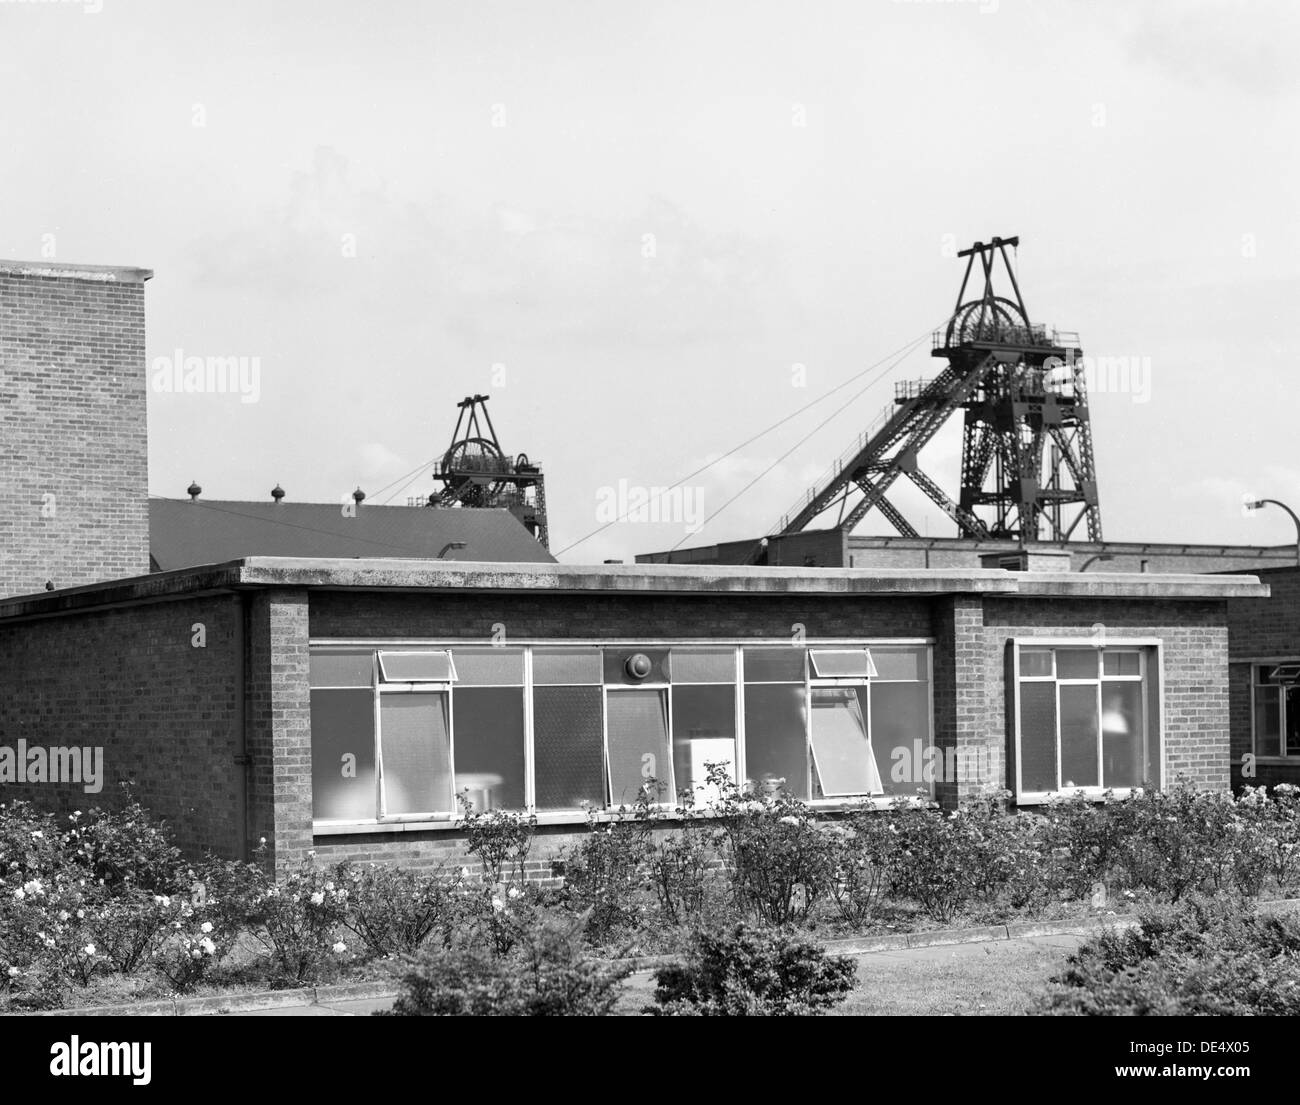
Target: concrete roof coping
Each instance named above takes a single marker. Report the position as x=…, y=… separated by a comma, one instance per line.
x=103, y=274
x=459, y=575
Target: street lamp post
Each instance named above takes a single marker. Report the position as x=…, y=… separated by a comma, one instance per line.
x=1256, y=504
x=449, y=546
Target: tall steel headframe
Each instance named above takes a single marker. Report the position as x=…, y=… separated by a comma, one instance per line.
x=1027, y=467
x=476, y=472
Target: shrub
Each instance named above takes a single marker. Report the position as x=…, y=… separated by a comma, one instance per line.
x=944, y=860
x=391, y=911
x=779, y=859
x=678, y=868
x=30, y=844
x=298, y=922
x=127, y=849
x=1201, y=957
x=860, y=859
x=1080, y=843
x=1275, y=827
x=547, y=976
x=1180, y=840
x=501, y=840
x=606, y=874
x=746, y=971
x=130, y=928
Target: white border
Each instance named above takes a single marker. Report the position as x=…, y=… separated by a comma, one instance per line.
x=1040, y=798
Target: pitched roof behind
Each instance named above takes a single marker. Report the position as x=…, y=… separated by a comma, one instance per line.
x=184, y=533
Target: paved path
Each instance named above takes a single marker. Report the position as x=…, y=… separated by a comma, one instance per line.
x=364, y=1007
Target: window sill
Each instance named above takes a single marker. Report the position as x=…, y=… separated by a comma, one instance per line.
x=578, y=817
x=1093, y=794
x=1277, y=761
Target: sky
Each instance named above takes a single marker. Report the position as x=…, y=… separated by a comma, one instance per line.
x=651, y=231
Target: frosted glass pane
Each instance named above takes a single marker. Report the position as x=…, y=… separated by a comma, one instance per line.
x=1121, y=663
x=342, y=669
x=638, y=744
x=415, y=667
x=704, y=731
x=900, y=663
x=1035, y=662
x=776, y=736
x=1038, y=736
x=416, y=748
x=840, y=663
x=489, y=666
x=565, y=666
x=568, y=752
x=842, y=754
x=774, y=665
x=489, y=728
x=1268, y=721
x=1121, y=734
x=704, y=665
x=1079, y=736
x=343, y=755
x=1076, y=663
x=900, y=734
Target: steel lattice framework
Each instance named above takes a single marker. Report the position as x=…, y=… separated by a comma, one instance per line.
x=1027, y=461
x=475, y=472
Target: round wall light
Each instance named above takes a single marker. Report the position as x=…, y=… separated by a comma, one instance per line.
x=638, y=665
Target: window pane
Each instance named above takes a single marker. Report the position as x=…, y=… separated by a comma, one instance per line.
x=1121, y=734
x=700, y=665
x=1038, y=736
x=704, y=732
x=343, y=755
x=900, y=734
x=1079, y=735
x=1076, y=663
x=416, y=667
x=900, y=663
x=489, y=666
x=568, y=753
x=341, y=669
x=616, y=665
x=842, y=755
x=1292, y=747
x=566, y=666
x=774, y=665
x=1268, y=721
x=416, y=747
x=841, y=662
x=638, y=744
x=489, y=729
x=1121, y=663
x=1035, y=662
x=776, y=734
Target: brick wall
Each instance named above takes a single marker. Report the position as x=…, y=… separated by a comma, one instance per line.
x=1261, y=629
x=73, y=442
x=279, y=725
x=132, y=682
x=587, y=616
x=1195, y=691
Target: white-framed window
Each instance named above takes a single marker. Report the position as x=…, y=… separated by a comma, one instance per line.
x=1275, y=709
x=399, y=731
x=1086, y=717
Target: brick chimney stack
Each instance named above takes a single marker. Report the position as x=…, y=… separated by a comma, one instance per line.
x=74, y=480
